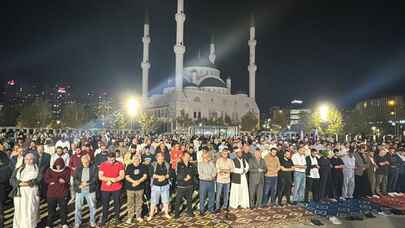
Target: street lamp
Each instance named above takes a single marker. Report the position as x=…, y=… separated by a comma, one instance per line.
x=132, y=109
x=393, y=104
x=324, y=111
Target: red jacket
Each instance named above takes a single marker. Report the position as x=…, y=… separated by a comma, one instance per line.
x=52, y=177
x=74, y=162
x=175, y=155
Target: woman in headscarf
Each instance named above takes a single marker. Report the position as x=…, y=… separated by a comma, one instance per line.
x=57, y=178
x=25, y=181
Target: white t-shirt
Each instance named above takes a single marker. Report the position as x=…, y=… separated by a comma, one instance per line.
x=314, y=172
x=298, y=159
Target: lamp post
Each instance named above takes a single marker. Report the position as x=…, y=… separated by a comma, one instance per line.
x=393, y=104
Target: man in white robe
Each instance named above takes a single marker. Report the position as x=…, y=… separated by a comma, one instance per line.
x=239, y=185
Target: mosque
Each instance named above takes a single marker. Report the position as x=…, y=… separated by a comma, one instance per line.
x=199, y=90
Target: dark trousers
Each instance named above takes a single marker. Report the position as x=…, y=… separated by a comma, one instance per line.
x=312, y=185
x=3, y=197
x=284, y=187
x=105, y=199
x=270, y=190
x=186, y=193
x=393, y=179
x=361, y=186
x=323, y=185
x=52, y=204
x=336, y=185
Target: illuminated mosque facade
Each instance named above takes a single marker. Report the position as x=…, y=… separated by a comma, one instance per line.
x=199, y=89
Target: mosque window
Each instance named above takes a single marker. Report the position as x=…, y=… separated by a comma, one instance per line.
x=195, y=115
x=212, y=100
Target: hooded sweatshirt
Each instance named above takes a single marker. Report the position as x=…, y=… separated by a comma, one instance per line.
x=52, y=177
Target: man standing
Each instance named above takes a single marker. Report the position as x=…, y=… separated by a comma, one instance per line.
x=111, y=173
x=257, y=168
x=239, y=188
x=224, y=167
x=395, y=162
x=360, y=174
x=300, y=165
x=348, y=175
x=85, y=182
x=185, y=182
x=207, y=173
x=271, y=178
x=160, y=187
x=135, y=176
x=313, y=177
x=383, y=165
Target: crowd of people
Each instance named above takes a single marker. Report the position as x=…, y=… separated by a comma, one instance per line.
x=227, y=172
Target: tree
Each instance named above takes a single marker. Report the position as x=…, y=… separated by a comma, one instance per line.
x=120, y=120
x=228, y=120
x=280, y=118
x=75, y=115
x=184, y=120
x=9, y=115
x=249, y=121
x=330, y=124
x=104, y=110
x=147, y=123
x=356, y=122
x=35, y=115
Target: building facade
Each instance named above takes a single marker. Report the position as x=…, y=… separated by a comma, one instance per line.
x=199, y=90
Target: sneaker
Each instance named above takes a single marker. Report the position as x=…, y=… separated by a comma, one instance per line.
x=139, y=220
x=334, y=220
x=333, y=200
x=167, y=216
x=149, y=218
x=77, y=226
x=65, y=226
x=376, y=196
x=129, y=221
x=316, y=222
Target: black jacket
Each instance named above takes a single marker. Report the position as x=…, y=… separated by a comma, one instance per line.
x=182, y=171
x=5, y=169
x=77, y=179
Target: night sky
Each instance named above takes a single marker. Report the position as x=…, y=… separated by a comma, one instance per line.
x=337, y=50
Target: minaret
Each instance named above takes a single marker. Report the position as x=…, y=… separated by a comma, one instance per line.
x=145, y=65
x=179, y=48
x=252, y=61
x=212, y=56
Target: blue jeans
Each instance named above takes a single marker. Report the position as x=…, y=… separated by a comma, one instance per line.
x=207, y=188
x=269, y=190
x=91, y=202
x=225, y=189
x=299, y=186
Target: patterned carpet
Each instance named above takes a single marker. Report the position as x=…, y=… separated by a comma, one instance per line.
x=397, y=202
x=238, y=218
x=342, y=208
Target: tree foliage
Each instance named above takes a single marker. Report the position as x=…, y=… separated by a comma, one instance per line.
x=356, y=122
x=148, y=123
x=184, y=119
x=249, y=122
x=75, y=115
x=35, y=115
x=331, y=126
x=121, y=121
x=280, y=118
x=9, y=115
